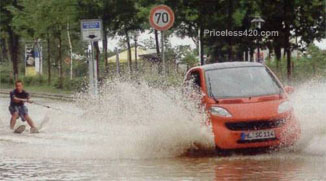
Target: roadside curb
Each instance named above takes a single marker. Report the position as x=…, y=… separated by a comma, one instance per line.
x=61, y=97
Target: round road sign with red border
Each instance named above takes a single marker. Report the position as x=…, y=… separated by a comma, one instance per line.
x=161, y=17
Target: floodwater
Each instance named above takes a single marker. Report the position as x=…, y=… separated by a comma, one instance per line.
x=135, y=132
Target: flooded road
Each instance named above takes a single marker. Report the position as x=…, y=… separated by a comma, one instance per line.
x=261, y=167
x=140, y=133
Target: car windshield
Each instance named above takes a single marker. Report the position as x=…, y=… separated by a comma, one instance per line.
x=241, y=82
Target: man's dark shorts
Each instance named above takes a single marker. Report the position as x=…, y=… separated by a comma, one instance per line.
x=21, y=110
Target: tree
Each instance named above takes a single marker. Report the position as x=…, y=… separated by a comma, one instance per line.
x=127, y=21
x=301, y=19
x=3, y=47
x=193, y=18
x=190, y=60
x=104, y=10
x=13, y=38
x=45, y=20
x=317, y=57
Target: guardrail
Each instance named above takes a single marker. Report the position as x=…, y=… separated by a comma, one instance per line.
x=61, y=97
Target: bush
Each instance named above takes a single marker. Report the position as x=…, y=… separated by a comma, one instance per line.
x=5, y=77
x=34, y=80
x=305, y=68
x=75, y=84
x=28, y=80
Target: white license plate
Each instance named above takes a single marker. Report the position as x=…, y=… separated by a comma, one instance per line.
x=258, y=135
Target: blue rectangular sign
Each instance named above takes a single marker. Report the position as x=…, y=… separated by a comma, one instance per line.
x=91, y=25
x=91, y=29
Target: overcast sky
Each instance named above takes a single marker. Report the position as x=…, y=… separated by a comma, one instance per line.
x=321, y=44
x=175, y=41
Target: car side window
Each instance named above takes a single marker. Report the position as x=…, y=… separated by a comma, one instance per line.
x=195, y=77
x=193, y=84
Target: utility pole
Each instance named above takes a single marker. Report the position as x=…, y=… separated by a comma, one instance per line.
x=258, y=21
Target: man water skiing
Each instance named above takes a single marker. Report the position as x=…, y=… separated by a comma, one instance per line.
x=17, y=108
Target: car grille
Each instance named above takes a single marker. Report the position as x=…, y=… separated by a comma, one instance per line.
x=255, y=125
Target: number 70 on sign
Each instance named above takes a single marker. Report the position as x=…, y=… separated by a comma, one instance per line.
x=161, y=17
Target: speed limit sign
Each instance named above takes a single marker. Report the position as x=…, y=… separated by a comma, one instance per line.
x=161, y=17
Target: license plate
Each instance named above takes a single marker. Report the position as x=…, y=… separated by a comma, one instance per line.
x=258, y=135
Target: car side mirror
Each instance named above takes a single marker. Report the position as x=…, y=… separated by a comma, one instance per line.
x=289, y=89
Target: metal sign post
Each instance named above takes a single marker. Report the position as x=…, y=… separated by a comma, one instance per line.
x=162, y=18
x=91, y=31
x=90, y=70
x=163, y=56
x=93, y=72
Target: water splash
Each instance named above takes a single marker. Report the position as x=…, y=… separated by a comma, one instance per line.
x=129, y=120
x=310, y=108
x=132, y=120
x=137, y=120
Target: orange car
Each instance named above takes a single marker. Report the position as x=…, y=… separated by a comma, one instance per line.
x=247, y=105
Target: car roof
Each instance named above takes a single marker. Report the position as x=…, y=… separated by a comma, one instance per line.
x=230, y=65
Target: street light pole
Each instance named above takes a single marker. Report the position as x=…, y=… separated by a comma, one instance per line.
x=258, y=51
x=258, y=21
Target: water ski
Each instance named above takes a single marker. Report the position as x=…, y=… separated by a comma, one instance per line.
x=20, y=129
x=34, y=130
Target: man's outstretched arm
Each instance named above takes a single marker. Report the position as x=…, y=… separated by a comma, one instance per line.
x=18, y=100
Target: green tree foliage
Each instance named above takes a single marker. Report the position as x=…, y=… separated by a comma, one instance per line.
x=317, y=58
x=6, y=18
x=190, y=59
x=298, y=19
x=48, y=20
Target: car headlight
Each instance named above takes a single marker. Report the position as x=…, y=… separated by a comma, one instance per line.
x=284, y=107
x=218, y=111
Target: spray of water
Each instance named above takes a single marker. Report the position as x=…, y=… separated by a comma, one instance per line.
x=128, y=120
x=132, y=120
x=142, y=121
x=135, y=120
x=310, y=108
